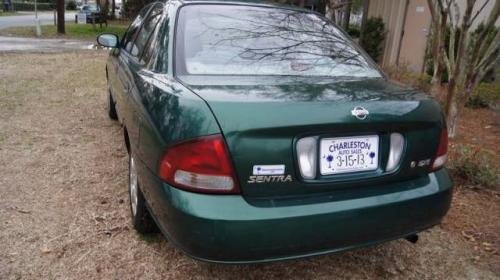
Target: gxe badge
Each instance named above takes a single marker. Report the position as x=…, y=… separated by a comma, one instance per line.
x=360, y=113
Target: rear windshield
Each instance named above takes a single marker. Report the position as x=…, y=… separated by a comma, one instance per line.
x=247, y=40
x=89, y=8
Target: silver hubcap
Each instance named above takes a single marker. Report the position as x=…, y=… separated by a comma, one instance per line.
x=133, y=186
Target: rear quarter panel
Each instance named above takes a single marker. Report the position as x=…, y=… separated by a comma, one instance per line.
x=169, y=113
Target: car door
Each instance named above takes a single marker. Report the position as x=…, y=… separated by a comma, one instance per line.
x=117, y=74
x=124, y=78
x=133, y=64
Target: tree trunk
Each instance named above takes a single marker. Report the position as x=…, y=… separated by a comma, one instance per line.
x=451, y=108
x=60, y=17
x=438, y=48
x=302, y=3
x=113, y=8
x=452, y=118
x=436, y=74
x=450, y=95
x=457, y=79
x=346, y=15
x=106, y=8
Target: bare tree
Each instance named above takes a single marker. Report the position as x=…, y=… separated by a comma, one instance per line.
x=465, y=68
x=337, y=10
x=113, y=8
x=346, y=16
x=439, y=14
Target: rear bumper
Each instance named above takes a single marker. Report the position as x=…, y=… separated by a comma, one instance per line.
x=228, y=229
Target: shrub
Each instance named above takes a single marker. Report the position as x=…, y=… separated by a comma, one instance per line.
x=485, y=95
x=353, y=31
x=71, y=5
x=30, y=6
x=404, y=75
x=132, y=7
x=373, y=37
x=475, y=166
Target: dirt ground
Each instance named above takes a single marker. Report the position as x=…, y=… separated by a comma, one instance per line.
x=64, y=209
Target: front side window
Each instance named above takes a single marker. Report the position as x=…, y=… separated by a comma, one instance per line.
x=246, y=40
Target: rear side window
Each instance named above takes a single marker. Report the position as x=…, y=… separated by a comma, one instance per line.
x=134, y=28
x=148, y=27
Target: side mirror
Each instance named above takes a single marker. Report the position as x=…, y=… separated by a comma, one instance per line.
x=108, y=40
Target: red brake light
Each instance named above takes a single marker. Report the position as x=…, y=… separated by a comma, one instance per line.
x=442, y=150
x=200, y=165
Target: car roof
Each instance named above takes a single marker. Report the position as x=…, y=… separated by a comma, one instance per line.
x=230, y=1
x=262, y=3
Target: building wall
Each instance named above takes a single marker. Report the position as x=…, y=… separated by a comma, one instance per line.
x=408, y=27
x=407, y=23
x=416, y=32
x=392, y=13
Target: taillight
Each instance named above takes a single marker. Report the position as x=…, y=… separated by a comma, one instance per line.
x=200, y=165
x=442, y=150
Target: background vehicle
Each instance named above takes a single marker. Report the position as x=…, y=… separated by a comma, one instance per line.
x=234, y=115
x=93, y=13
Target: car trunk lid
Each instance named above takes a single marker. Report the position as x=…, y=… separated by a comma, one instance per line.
x=262, y=119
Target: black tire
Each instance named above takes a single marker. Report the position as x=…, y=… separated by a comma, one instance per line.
x=141, y=218
x=112, y=108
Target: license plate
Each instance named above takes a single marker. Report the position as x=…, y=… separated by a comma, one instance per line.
x=348, y=154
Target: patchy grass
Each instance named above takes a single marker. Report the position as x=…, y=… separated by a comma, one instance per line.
x=475, y=166
x=404, y=75
x=73, y=31
x=485, y=95
x=64, y=210
x=6, y=14
x=150, y=238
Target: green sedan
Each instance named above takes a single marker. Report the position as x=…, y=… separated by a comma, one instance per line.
x=258, y=132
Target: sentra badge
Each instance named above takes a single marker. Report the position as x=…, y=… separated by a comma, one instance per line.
x=269, y=179
x=269, y=174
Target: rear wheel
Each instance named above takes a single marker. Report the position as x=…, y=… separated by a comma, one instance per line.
x=141, y=219
x=112, y=108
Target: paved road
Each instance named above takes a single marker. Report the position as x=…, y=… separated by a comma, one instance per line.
x=13, y=44
x=27, y=19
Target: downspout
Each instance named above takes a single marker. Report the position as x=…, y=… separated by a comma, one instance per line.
x=407, y=3
x=366, y=7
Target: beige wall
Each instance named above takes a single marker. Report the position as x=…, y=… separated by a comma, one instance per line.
x=416, y=32
x=412, y=17
x=392, y=12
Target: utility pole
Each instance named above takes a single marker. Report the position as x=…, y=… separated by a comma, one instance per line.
x=60, y=17
x=38, y=28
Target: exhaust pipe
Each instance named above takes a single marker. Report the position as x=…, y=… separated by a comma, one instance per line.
x=413, y=238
